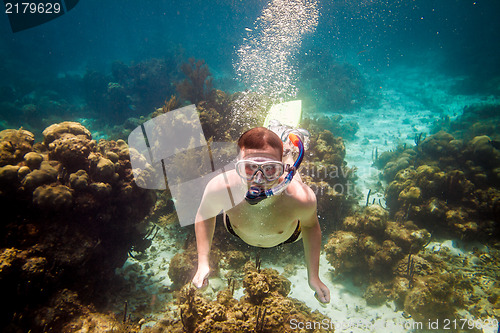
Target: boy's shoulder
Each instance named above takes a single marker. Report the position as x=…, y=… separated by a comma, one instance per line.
x=224, y=179
x=303, y=202
x=302, y=194
x=224, y=183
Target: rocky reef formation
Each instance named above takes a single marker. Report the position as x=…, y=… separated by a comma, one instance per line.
x=263, y=308
x=130, y=90
x=327, y=173
x=371, y=244
x=449, y=182
x=449, y=186
x=436, y=283
x=36, y=103
x=392, y=261
x=71, y=212
x=197, y=86
x=66, y=313
x=475, y=120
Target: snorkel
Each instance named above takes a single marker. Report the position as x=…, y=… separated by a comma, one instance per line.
x=256, y=195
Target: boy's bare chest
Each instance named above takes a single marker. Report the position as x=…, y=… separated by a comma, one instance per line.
x=266, y=219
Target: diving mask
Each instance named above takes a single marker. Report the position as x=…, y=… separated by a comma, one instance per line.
x=256, y=194
x=271, y=169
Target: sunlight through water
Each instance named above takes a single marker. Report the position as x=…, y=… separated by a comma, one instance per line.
x=266, y=55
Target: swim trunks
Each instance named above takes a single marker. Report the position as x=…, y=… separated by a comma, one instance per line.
x=294, y=237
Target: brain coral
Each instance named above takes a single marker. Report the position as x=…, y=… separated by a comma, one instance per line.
x=53, y=198
x=55, y=131
x=45, y=175
x=14, y=144
x=70, y=143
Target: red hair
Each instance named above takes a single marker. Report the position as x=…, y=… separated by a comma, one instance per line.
x=260, y=138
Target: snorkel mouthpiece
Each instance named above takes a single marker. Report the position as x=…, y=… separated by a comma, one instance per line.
x=256, y=194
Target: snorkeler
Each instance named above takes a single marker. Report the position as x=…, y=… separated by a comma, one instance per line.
x=278, y=208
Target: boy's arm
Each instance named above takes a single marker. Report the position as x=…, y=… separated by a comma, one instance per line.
x=311, y=238
x=204, y=229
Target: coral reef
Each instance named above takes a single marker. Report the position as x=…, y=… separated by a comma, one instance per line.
x=372, y=244
x=66, y=313
x=443, y=283
x=71, y=212
x=327, y=173
x=448, y=183
x=476, y=120
x=394, y=161
x=169, y=104
x=69, y=143
x=451, y=188
x=224, y=117
x=119, y=98
x=263, y=308
x=392, y=260
x=131, y=90
x=197, y=86
x=183, y=266
x=217, y=119
x=14, y=144
x=36, y=103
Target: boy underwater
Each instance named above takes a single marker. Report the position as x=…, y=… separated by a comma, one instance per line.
x=278, y=209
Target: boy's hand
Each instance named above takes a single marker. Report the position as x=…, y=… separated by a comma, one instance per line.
x=322, y=293
x=200, y=279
